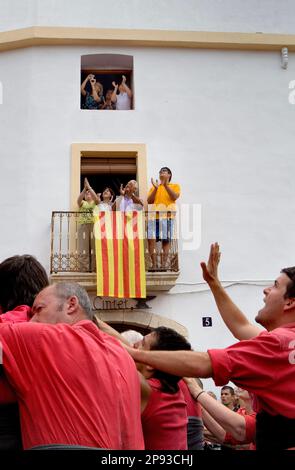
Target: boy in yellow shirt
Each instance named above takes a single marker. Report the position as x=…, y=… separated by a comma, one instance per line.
x=161, y=198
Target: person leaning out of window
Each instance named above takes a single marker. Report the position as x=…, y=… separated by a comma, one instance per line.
x=123, y=99
x=94, y=99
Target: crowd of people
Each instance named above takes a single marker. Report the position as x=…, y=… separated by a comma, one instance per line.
x=119, y=98
x=70, y=381
x=160, y=221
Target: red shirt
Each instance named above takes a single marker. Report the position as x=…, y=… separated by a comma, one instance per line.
x=265, y=366
x=18, y=314
x=164, y=420
x=74, y=385
x=250, y=424
x=193, y=407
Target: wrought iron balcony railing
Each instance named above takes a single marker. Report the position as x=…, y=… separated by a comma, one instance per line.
x=73, y=242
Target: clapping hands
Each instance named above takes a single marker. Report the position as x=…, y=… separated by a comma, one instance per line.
x=86, y=184
x=155, y=183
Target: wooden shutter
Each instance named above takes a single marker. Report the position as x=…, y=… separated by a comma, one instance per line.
x=108, y=165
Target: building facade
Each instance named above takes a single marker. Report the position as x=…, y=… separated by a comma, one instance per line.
x=211, y=101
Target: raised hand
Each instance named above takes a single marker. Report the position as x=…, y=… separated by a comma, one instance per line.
x=90, y=76
x=114, y=84
x=210, y=270
x=155, y=183
x=165, y=179
x=123, y=79
x=122, y=190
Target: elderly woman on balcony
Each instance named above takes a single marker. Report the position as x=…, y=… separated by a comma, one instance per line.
x=128, y=199
x=86, y=201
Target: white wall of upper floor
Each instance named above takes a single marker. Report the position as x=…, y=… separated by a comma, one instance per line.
x=220, y=119
x=266, y=16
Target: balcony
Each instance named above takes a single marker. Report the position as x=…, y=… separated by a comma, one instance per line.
x=71, y=260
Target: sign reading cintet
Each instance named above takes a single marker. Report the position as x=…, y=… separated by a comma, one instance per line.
x=110, y=303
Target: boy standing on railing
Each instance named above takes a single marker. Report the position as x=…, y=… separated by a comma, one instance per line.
x=161, y=199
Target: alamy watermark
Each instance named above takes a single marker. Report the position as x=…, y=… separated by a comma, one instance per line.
x=184, y=225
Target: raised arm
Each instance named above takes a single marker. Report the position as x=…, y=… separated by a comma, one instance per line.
x=170, y=191
x=232, y=316
x=181, y=363
x=92, y=192
x=110, y=331
x=136, y=199
x=151, y=197
x=114, y=94
x=229, y=420
x=81, y=197
x=83, y=91
x=126, y=88
x=216, y=431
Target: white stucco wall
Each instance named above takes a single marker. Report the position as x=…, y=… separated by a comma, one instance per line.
x=221, y=120
x=267, y=16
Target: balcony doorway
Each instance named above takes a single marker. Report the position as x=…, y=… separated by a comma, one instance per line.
x=108, y=165
x=110, y=171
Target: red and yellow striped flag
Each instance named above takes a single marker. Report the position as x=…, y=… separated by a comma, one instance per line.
x=119, y=246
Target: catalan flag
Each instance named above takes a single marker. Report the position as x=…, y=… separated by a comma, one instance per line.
x=119, y=246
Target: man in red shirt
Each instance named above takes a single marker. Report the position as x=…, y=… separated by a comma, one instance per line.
x=75, y=385
x=227, y=397
x=263, y=365
x=21, y=279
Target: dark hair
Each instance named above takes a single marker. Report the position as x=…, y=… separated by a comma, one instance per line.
x=165, y=168
x=21, y=279
x=168, y=339
x=111, y=191
x=290, y=272
x=228, y=387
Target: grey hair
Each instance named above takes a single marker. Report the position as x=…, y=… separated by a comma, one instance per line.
x=132, y=336
x=65, y=290
x=135, y=184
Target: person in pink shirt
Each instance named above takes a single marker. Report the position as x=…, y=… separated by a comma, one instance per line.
x=263, y=363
